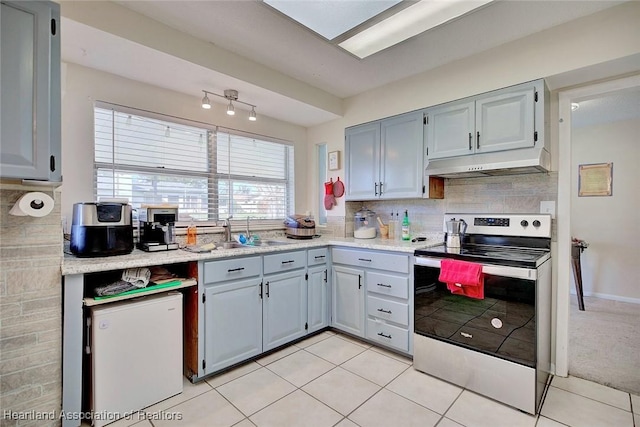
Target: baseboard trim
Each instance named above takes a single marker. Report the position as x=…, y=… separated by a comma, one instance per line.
x=610, y=297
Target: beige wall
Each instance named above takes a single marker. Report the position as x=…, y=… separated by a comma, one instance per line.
x=83, y=86
x=595, y=39
x=610, y=225
x=30, y=310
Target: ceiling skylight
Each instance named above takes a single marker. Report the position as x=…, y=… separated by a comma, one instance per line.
x=336, y=19
x=330, y=18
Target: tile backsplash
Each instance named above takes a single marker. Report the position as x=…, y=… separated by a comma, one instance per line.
x=494, y=194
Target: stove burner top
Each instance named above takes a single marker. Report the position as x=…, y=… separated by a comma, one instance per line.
x=502, y=255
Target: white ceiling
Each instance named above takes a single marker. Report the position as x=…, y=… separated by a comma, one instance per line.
x=255, y=31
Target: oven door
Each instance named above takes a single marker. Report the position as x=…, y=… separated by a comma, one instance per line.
x=503, y=324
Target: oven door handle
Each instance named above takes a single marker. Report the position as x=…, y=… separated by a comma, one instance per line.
x=494, y=270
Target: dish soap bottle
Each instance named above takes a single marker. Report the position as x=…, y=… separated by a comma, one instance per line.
x=192, y=234
x=405, y=226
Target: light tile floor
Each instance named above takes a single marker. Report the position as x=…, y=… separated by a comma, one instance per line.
x=334, y=380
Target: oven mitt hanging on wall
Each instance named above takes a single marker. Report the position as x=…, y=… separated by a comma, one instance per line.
x=338, y=188
x=329, y=198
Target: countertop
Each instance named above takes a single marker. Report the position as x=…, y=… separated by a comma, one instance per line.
x=74, y=265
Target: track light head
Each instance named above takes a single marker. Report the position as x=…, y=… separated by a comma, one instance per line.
x=252, y=115
x=206, y=104
x=230, y=109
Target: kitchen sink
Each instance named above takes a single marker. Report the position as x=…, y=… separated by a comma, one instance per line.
x=271, y=243
x=258, y=244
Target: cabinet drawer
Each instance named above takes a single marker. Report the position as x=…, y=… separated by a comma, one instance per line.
x=382, y=261
x=231, y=269
x=317, y=256
x=388, y=284
x=388, y=310
x=284, y=261
x=388, y=335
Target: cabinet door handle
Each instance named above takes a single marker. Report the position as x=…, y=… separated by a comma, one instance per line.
x=381, y=188
x=470, y=143
x=288, y=262
x=478, y=139
x=260, y=290
x=384, y=336
x=319, y=256
x=267, y=290
x=382, y=310
x=364, y=259
x=325, y=276
x=376, y=189
x=359, y=281
x=231, y=270
x=383, y=285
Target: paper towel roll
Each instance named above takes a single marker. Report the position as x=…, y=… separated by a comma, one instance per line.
x=35, y=204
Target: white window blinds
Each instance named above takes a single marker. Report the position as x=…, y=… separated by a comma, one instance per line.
x=209, y=173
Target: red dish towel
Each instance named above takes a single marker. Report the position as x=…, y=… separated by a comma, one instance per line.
x=462, y=278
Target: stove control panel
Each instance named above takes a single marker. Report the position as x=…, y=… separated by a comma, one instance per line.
x=492, y=222
x=525, y=225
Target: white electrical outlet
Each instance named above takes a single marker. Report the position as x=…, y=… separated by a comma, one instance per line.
x=548, y=207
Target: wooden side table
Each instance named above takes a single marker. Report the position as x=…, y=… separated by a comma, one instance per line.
x=577, y=246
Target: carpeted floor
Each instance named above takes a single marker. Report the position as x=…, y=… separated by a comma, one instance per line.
x=604, y=343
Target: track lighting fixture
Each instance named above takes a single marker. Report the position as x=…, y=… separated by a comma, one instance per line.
x=232, y=96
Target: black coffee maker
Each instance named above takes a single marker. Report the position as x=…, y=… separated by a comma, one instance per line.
x=156, y=228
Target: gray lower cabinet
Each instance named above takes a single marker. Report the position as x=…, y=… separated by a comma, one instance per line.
x=347, y=305
x=284, y=310
x=252, y=305
x=233, y=323
x=318, y=298
x=30, y=138
x=318, y=289
x=373, y=300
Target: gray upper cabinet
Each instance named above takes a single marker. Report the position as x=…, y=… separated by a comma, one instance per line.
x=362, y=161
x=496, y=121
x=450, y=129
x=30, y=82
x=401, y=156
x=384, y=158
x=505, y=121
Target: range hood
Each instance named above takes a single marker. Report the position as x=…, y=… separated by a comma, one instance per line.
x=509, y=162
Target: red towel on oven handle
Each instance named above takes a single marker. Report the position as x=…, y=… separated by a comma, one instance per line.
x=462, y=277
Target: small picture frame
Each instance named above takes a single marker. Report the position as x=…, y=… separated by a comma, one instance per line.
x=334, y=160
x=595, y=179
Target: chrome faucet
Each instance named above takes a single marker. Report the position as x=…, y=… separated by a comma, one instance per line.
x=248, y=232
x=227, y=229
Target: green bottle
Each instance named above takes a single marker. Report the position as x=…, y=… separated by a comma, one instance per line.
x=406, y=235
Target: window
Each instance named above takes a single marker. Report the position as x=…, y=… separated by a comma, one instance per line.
x=210, y=173
x=322, y=178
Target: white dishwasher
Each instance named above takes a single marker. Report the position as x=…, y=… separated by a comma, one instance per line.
x=136, y=355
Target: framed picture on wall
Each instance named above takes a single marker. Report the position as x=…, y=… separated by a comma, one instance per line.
x=334, y=160
x=595, y=179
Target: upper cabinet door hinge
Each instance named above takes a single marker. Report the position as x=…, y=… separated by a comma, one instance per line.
x=424, y=188
x=306, y=326
x=535, y=136
x=306, y=276
x=535, y=96
x=204, y=297
x=425, y=119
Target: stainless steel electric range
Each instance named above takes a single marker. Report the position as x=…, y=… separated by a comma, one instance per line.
x=498, y=346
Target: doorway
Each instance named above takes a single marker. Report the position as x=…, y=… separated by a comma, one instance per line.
x=602, y=130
